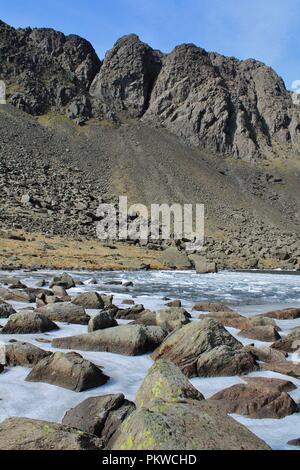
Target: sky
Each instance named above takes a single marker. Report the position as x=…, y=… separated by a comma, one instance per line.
x=267, y=30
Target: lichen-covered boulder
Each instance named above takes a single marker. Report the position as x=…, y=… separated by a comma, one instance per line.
x=192, y=425
x=165, y=382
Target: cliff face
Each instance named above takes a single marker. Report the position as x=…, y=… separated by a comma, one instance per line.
x=230, y=107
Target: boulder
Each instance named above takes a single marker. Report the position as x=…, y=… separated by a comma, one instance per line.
x=18, y=353
x=212, y=307
x=255, y=402
x=191, y=425
x=89, y=300
x=285, y=314
x=174, y=303
x=65, y=312
x=261, y=333
x=16, y=295
x=31, y=434
x=286, y=368
x=27, y=322
x=100, y=416
x=61, y=292
x=64, y=280
x=101, y=321
x=224, y=361
x=266, y=354
x=165, y=382
x=67, y=370
x=172, y=318
x=132, y=313
x=235, y=320
x=289, y=343
x=205, y=267
x=174, y=259
x=128, y=302
x=185, y=346
x=130, y=340
x=6, y=309
x=294, y=442
x=277, y=385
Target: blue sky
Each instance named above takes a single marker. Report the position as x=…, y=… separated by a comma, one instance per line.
x=267, y=30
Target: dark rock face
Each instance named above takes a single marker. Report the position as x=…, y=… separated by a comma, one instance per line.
x=46, y=70
x=225, y=105
x=230, y=107
x=31, y=434
x=69, y=371
x=100, y=416
x=127, y=75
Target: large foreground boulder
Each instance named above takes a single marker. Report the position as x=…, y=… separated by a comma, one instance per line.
x=165, y=381
x=6, y=309
x=65, y=312
x=185, y=346
x=191, y=425
x=18, y=353
x=255, y=402
x=67, y=370
x=100, y=415
x=31, y=434
x=27, y=322
x=89, y=300
x=64, y=280
x=285, y=314
x=130, y=340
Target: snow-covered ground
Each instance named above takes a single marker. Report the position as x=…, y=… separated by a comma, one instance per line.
x=248, y=293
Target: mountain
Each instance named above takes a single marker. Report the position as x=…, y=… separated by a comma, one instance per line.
x=188, y=126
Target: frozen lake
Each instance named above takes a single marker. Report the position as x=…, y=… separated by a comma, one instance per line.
x=248, y=293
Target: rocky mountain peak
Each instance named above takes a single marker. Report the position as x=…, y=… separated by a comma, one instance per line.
x=230, y=107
